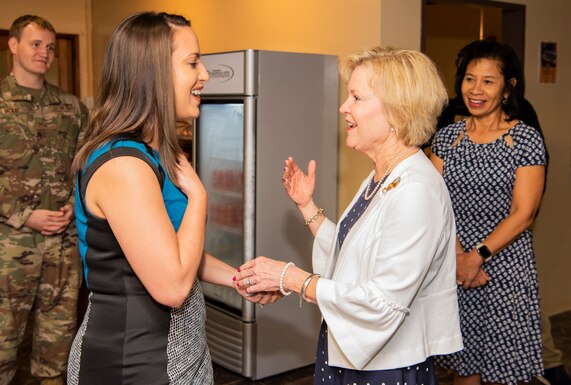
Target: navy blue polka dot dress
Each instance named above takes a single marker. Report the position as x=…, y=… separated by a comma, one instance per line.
x=421, y=374
x=500, y=321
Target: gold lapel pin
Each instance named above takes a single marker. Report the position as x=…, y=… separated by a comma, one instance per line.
x=391, y=185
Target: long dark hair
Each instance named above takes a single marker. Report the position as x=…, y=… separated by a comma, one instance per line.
x=137, y=97
x=510, y=68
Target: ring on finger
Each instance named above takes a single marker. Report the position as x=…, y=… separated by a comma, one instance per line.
x=248, y=282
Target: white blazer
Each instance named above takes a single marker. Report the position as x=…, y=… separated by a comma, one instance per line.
x=389, y=294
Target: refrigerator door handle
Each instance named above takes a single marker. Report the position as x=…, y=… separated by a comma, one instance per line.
x=248, y=308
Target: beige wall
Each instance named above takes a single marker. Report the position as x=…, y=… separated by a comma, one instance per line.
x=71, y=17
x=394, y=14
x=547, y=20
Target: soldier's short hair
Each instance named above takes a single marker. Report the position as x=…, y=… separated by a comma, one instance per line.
x=23, y=21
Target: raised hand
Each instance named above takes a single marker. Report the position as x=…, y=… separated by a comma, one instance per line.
x=299, y=187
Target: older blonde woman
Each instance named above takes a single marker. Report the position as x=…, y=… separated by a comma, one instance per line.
x=385, y=275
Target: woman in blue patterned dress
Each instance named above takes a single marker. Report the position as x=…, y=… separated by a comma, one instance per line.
x=494, y=166
x=385, y=272
x=141, y=215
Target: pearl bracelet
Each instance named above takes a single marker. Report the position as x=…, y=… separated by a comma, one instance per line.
x=304, y=288
x=314, y=217
x=282, y=290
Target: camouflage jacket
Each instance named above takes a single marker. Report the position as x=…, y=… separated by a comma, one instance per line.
x=38, y=140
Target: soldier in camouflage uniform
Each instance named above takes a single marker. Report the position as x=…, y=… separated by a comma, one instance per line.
x=39, y=263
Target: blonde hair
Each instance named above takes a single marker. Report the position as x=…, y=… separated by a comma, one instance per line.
x=408, y=84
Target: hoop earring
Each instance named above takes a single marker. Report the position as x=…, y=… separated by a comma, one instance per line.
x=505, y=101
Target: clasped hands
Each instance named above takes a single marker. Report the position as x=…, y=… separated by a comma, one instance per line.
x=258, y=280
x=50, y=222
x=469, y=272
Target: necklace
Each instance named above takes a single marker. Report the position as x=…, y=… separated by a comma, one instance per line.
x=368, y=195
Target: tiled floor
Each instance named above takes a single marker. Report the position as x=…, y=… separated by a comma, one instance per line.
x=560, y=326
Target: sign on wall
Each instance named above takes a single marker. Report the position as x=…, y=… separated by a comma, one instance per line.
x=548, y=65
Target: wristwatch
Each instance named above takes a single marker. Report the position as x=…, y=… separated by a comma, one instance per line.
x=484, y=252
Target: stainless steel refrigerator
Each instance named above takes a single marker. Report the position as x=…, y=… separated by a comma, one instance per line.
x=258, y=108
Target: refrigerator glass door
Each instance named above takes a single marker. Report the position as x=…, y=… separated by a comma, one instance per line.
x=220, y=163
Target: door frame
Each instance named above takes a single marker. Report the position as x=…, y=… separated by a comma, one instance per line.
x=513, y=21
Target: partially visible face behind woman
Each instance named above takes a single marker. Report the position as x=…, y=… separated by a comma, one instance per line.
x=188, y=72
x=483, y=87
x=367, y=123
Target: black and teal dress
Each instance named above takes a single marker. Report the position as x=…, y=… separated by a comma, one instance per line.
x=126, y=336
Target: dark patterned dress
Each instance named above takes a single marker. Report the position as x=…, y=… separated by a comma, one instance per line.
x=500, y=321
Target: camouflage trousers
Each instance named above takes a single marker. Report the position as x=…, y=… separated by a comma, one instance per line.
x=40, y=274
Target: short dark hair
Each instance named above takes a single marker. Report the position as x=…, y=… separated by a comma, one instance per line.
x=510, y=68
x=23, y=21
